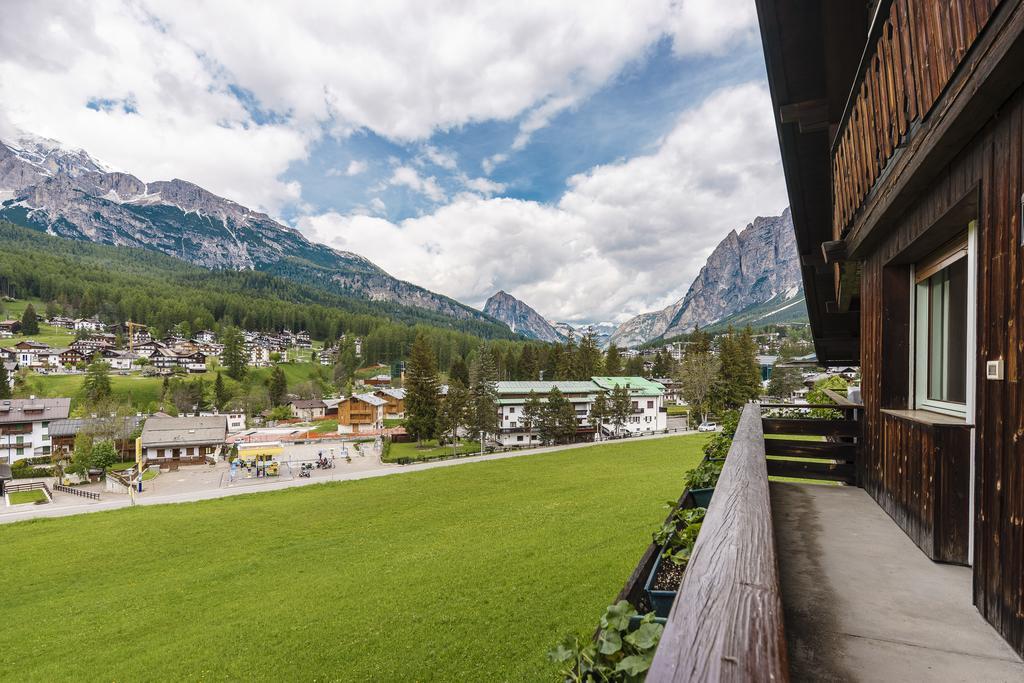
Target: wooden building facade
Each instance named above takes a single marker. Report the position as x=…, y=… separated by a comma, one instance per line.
x=901, y=125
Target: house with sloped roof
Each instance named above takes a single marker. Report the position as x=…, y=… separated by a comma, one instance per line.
x=394, y=401
x=173, y=441
x=25, y=426
x=308, y=409
x=360, y=413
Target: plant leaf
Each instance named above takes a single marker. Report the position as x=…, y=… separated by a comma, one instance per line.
x=645, y=637
x=609, y=642
x=565, y=650
x=617, y=616
x=634, y=665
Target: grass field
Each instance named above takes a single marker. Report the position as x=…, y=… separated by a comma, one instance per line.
x=430, y=450
x=54, y=336
x=19, y=497
x=466, y=573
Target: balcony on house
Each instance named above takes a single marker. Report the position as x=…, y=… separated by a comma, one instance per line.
x=811, y=579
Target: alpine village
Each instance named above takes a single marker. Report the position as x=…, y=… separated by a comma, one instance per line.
x=714, y=446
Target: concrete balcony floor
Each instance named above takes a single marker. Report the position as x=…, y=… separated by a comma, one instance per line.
x=863, y=603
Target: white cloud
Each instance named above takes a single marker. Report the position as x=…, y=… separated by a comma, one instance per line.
x=355, y=167
x=444, y=159
x=401, y=69
x=406, y=176
x=625, y=238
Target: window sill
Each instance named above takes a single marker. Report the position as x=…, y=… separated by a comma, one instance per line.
x=928, y=417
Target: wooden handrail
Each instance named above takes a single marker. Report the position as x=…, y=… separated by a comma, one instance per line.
x=726, y=622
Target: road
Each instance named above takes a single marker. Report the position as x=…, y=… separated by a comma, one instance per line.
x=7, y=515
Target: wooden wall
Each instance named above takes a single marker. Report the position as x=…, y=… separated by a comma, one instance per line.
x=919, y=47
x=987, y=176
x=927, y=475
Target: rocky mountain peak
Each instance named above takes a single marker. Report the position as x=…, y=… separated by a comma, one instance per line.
x=750, y=267
x=520, y=318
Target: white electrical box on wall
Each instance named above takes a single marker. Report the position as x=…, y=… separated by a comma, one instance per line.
x=994, y=369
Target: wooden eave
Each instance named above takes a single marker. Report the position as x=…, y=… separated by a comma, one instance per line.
x=812, y=50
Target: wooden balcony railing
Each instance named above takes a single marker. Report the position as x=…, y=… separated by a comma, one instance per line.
x=726, y=622
x=914, y=49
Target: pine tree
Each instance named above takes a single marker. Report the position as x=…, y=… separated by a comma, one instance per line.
x=699, y=341
x=529, y=364
x=459, y=371
x=277, y=387
x=533, y=410
x=422, y=390
x=29, y=321
x=483, y=394
x=234, y=356
x=613, y=361
x=740, y=376
x=451, y=415
x=567, y=366
x=221, y=394
x=634, y=367
x=620, y=406
x=96, y=385
x=588, y=356
x=5, y=382
x=558, y=419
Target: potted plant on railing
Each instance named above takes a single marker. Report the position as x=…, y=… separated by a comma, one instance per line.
x=701, y=481
x=675, y=539
x=622, y=651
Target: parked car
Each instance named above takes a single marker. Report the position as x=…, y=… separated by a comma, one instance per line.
x=708, y=427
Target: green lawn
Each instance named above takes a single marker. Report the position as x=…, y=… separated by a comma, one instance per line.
x=466, y=573
x=326, y=427
x=390, y=422
x=677, y=410
x=431, y=450
x=33, y=496
x=54, y=336
x=150, y=474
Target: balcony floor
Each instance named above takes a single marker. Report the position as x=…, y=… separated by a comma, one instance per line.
x=862, y=602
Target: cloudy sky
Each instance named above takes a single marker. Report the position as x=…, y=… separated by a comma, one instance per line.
x=585, y=156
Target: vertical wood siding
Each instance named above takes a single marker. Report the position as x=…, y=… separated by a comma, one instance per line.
x=895, y=459
x=921, y=44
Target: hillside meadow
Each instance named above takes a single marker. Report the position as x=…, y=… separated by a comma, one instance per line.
x=470, y=572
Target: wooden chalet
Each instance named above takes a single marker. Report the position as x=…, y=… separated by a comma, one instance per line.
x=361, y=413
x=901, y=127
x=394, y=401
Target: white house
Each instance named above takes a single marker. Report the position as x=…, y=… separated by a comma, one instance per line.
x=89, y=325
x=649, y=412
x=25, y=426
x=512, y=397
x=171, y=441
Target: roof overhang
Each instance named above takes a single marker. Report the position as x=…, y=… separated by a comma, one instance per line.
x=812, y=50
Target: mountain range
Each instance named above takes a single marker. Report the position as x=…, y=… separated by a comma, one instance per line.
x=67, y=193
x=758, y=266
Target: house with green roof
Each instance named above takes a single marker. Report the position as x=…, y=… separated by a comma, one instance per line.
x=649, y=414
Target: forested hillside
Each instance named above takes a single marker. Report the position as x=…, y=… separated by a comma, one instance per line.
x=119, y=283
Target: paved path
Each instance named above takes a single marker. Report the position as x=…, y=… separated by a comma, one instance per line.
x=7, y=515
x=863, y=603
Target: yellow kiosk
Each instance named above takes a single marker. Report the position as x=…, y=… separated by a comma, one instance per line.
x=259, y=458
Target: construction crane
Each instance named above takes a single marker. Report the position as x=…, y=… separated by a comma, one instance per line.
x=131, y=333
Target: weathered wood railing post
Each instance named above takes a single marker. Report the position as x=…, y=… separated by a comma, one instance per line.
x=726, y=623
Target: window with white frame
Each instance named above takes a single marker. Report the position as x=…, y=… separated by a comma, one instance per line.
x=941, y=329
